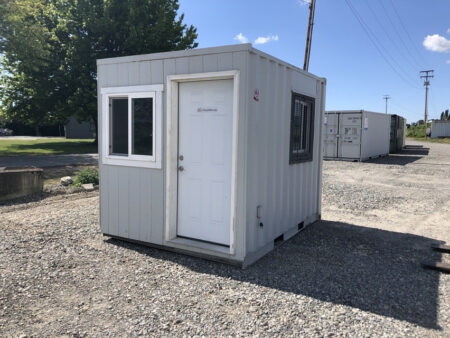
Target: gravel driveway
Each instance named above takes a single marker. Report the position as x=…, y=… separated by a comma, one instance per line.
x=355, y=273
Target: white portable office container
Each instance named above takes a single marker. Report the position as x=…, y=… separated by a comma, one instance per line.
x=356, y=135
x=212, y=152
x=440, y=128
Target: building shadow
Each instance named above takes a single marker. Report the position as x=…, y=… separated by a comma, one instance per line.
x=370, y=269
x=407, y=155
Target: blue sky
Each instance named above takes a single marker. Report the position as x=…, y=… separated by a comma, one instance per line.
x=358, y=76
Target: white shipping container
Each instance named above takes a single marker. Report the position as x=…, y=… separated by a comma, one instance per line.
x=356, y=135
x=440, y=128
x=212, y=152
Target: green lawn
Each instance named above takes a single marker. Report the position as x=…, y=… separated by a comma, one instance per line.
x=434, y=140
x=13, y=147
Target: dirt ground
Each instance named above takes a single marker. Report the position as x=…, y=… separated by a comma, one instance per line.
x=355, y=273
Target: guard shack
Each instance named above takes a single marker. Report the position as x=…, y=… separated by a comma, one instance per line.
x=211, y=152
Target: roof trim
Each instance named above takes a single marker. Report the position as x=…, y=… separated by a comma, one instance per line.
x=176, y=54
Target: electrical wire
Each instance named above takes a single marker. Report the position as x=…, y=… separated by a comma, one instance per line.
x=374, y=41
x=398, y=34
x=407, y=33
x=367, y=2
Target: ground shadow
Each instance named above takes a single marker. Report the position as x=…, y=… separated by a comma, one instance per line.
x=407, y=155
x=369, y=269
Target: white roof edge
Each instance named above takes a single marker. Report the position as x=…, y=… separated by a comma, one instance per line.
x=203, y=51
x=177, y=53
x=286, y=64
x=354, y=111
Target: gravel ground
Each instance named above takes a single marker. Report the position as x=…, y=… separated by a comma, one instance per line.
x=356, y=273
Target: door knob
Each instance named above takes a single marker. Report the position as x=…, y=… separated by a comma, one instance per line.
x=181, y=157
x=181, y=168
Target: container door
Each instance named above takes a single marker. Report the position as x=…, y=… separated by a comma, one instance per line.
x=331, y=133
x=204, y=160
x=350, y=136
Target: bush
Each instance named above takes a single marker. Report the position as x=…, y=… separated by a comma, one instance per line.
x=417, y=131
x=88, y=175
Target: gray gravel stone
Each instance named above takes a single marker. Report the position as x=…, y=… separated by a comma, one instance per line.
x=339, y=277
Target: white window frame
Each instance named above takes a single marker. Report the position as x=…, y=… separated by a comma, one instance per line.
x=132, y=92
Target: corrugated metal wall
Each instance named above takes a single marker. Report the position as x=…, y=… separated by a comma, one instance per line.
x=375, y=140
x=440, y=129
x=132, y=199
x=288, y=194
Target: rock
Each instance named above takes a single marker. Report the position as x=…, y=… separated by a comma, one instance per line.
x=88, y=186
x=66, y=180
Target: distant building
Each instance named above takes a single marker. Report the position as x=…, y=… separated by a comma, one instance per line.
x=75, y=129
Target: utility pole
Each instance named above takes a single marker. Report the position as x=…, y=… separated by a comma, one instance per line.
x=386, y=97
x=312, y=6
x=426, y=74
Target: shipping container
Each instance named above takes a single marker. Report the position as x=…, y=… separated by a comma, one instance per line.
x=397, y=134
x=440, y=128
x=356, y=135
x=212, y=152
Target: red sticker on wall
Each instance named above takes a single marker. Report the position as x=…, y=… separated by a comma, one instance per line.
x=256, y=95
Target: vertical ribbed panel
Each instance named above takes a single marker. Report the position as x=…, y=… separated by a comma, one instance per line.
x=440, y=129
x=287, y=193
x=132, y=200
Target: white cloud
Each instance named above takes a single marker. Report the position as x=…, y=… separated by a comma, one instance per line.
x=241, y=38
x=448, y=61
x=265, y=39
x=448, y=31
x=436, y=43
x=304, y=2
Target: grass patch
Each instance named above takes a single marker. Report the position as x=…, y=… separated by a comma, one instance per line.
x=13, y=147
x=445, y=140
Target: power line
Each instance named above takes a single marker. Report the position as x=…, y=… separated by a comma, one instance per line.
x=398, y=33
x=374, y=42
x=407, y=33
x=367, y=2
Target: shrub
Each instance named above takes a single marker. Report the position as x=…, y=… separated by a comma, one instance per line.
x=87, y=175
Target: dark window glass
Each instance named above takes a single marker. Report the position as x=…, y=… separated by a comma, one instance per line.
x=119, y=126
x=142, y=124
x=302, y=128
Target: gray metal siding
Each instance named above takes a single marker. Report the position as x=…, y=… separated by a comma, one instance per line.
x=288, y=194
x=375, y=140
x=440, y=129
x=132, y=200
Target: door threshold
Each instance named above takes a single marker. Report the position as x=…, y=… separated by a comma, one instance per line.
x=183, y=242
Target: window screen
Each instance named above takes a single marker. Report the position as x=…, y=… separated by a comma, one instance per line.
x=302, y=128
x=142, y=124
x=119, y=126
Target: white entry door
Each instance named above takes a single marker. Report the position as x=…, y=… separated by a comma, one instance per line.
x=331, y=135
x=350, y=136
x=205, y=131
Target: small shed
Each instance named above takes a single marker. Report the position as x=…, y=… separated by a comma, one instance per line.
x=82, y=130
x=212, y=152
x=440, y=128
x=356, y=135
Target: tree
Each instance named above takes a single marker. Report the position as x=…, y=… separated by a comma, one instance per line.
x=102, y=29
x=72, y=35
x=30, y=72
